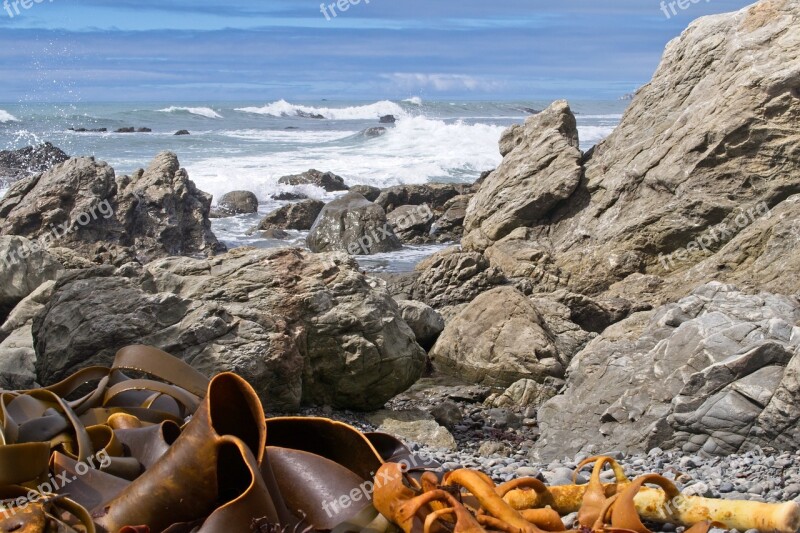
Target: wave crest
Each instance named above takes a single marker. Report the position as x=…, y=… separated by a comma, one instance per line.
x=206, y=112
x=282, y=108
x=5, y=116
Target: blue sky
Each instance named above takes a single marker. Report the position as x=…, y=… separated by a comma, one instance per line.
x=257, y=50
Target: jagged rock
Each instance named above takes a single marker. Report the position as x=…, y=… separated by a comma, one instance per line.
x=300, y=327
x=128, y=129
x=24, y=266
x=325, y=180
x=414, y=425
x=450, y=225
x=524, y=393
x=239, y=203
x=423, y=320
x=412, y=223
x=452, y=277
x=17, y=164
x=290, y=196
x=434, y=195
x=297, y=216
x=354, y=225
x=80, y=204
x=541, y=168
x=367, y=191
x=716, y=371
x=182, y=132
x=387, y=119
x=499, y=338
x=17, y=354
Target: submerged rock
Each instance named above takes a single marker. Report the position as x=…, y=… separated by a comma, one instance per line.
x=238, y=203
x=17, y=164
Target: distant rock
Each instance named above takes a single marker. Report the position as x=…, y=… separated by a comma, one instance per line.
x=328, y=181
x=354, y=225
x=367, y=191
x=89, y=130
x=182, y=132
x=387, y=119
x=289, y=196
x=126, y=130
x=305, y=114
x=296, y=216
x=17, y=164
x=377, y=131
x=238, y=203
x=81, y=204
x=144, y=130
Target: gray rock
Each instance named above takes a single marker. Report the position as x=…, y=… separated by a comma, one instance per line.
x=448, y=414
x=434, y=195
x=24, y=266
x=155, y=212
x=301, y=328
x=295, y=216
x=18, y=164
x=239, y=202
x=716, y=372
x=367, y=191
x=452, y=277
x=525, y=393
x=413, y=425
x=412, y=223
x=328, y=181
x=423, y=320
x=499, y=338
x=354, y=225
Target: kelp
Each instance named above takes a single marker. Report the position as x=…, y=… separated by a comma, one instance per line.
x=151, y=445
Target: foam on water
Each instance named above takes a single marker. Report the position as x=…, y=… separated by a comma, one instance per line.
x=200, y=111
x=282, y=108
x=414, y=100
x=5, y=116
x=416, y=150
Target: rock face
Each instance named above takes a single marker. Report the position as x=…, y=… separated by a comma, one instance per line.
x=297, y=216
x=239, y=203
x=300, y=327
x=81, y=204
x=499, y=338
x=325, y=180
x=541, y=169
x=716, y=371
x=354, y=225
x=18, y=164
x=24, y=266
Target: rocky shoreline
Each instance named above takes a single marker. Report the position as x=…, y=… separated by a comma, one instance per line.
x=640, y=298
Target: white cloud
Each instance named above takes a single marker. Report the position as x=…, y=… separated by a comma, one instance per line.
x=441, y=82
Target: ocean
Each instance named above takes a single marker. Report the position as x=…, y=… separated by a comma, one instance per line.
x=250, y=145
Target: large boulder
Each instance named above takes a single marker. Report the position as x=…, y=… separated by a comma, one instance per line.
x=302, y=328
x=412, y=223
x=328, y=181
x=541, y=168
x=81, y=203
x=296, y=216
x=423, y=320
x=354, y=225
x=24, y=266
x=238, y=203
x=18, y=164
x=499, y=338
x=716, y=371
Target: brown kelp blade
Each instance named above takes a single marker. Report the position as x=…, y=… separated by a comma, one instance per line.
x=171, y=491
x=324, y=492
x=336, y=441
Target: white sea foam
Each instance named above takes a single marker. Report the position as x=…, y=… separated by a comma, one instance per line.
x=591, y=135
x=5, y=116
x=415, y=100
x=416, y=150
x=200, y=111
x=282, y=108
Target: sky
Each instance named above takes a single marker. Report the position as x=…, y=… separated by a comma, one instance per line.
x=258, y=50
